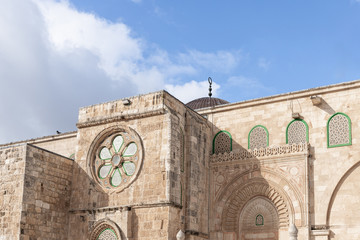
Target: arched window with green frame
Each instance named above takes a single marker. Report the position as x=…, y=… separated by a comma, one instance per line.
x=338, y=130
x=259, y=221
x=222, y=142
x=297, y=131
x=258, y=137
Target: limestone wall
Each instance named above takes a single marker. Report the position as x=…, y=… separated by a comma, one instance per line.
x=169, y=191
x=150, y=190
x=189, y=168
x=327, y=166
x=46, y=196
x=63, y=144
x=12, y=163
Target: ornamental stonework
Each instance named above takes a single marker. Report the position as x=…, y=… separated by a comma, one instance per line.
x=244, y=154
x=116, y=158
x=105, y=230
x=242, y=196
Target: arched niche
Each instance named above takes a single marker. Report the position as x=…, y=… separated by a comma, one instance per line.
x=259, y=219
x=342, y=213
x=272, y=185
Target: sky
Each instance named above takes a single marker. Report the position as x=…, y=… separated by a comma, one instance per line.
x=57, y=56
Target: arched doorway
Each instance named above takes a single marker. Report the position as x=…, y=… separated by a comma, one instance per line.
x=259, y=220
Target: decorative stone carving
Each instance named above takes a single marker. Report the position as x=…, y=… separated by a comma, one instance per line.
x=243, y=195
x=105, y=230
x=116, y=157
x=259, y=153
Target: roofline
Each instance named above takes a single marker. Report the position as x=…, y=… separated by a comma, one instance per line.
x=281, y=97
x=42, y=139
x=117, y=100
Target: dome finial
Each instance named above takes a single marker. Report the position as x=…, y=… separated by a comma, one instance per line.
x=210, y=82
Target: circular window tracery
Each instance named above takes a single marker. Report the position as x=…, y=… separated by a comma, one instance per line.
x=116, y=158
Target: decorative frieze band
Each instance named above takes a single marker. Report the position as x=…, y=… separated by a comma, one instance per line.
x=244, y=154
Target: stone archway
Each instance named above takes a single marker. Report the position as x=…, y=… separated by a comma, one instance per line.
x=259, y=220
x=239, y=199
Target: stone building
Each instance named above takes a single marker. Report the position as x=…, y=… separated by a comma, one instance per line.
x=151, y=167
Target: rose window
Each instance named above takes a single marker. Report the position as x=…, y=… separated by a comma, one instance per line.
x=117, y=160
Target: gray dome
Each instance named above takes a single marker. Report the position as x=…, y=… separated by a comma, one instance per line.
x=205, y=102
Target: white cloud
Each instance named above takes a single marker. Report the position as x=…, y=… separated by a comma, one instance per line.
x=264, y=63
x=221, y=61
x=55, y=59
x=192, y=90
x=247, y=87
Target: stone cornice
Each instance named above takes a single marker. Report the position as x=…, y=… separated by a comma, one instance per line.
x=269, y=152
x=281, y=97
x=127, y=207
x=121, y=118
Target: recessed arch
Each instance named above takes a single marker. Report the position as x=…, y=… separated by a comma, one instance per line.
x=259, y=219
x=238, y=200
x=337, y=188
x=276, y=181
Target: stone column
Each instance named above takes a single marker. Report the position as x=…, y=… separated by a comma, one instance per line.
x=293, y=232
x=180, y=235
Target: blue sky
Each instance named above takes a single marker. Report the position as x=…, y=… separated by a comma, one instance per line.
x=57, y=56
x=283, y=45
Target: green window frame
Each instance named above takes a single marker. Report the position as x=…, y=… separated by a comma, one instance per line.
x=295, y=120
x=328, y=131
x=261, y=218
x=105, y=230
x=222, y=131
x=267, y=134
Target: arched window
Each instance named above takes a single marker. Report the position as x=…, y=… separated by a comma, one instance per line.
x=107, y=234
x=258, y=137
x=105, y=230
x=338, y=130
x=259, y=221
x=222, y=142
x=297, y=132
